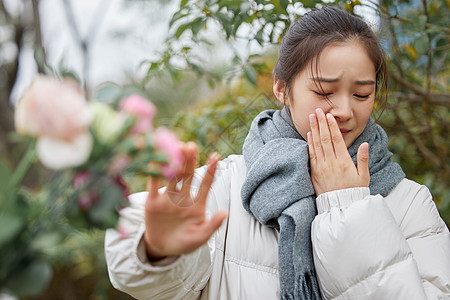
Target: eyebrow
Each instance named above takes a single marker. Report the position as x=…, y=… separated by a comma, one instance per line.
x=331, y=80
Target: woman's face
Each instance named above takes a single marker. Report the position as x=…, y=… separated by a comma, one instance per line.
x=347, y=76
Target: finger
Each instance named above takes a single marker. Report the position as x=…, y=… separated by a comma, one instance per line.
x=152, y=187
x=325, y=136
x=172, y=183
x=191, y=163
x=208, y=179
x=316, y=137
x=212, y=225
x=362, y=158
x=336, y=137
x=312, y=154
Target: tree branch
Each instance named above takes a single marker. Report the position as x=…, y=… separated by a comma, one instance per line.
x=85, y=43
x=38, y=46
x=72, y=22
x=427, y=154
x=430, y=97
x=383, y=12
x=5, y=12
x=435, y=99
x=396, y=48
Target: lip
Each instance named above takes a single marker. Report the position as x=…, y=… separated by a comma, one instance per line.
x=344, y=131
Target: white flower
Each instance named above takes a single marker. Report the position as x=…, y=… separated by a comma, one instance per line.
x=53, y=108
x=59, y=154
x=57, y=114
x=107, y=124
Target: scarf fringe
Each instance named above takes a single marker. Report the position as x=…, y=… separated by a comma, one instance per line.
x=306, y=288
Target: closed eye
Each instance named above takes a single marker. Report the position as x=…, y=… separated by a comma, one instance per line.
x=361, y=96
x=322, y=94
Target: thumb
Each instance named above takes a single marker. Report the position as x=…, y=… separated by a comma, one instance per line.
x=363, y=162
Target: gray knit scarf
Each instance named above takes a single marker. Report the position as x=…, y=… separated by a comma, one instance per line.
x=279, y=193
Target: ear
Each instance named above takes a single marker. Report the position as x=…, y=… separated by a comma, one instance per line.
x=279, y=89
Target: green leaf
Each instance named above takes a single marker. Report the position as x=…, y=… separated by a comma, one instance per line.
x=39, y=56
x=10, y=225
x=5, y=175
x=309, y=3
x=230, y=3
x=197, y=69
x=434, y=29
x=183, y=3
x=176, y=16
x=284, y=4
x=108, y=93
x=182, y=28
x=251, y=74
x=259, y=36
x=420, y=22
x=211, y=82
x=198, y=24
x=104, y=214
x=32, y=280
x=421, y=44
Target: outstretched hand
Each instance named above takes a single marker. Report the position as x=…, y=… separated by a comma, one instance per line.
x=332, y=167
x=175, y=221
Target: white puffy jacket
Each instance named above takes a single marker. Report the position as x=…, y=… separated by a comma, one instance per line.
x=365, y=247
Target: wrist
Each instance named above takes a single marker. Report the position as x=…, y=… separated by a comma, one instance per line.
x=152, y=254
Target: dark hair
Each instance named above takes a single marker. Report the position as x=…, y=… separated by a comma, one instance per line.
x=317, y=29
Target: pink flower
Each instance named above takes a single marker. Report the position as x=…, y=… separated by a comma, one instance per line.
x=118, y=180
x=57, y=114
x=52, y=108
x=168, y=143
x=81, y=179
x=87, y=198
x=142, y=109
x=119, y=163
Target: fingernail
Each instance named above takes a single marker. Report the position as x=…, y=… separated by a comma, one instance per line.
x=309, y=136
x=216, y=156
x=319, y=112
x=365, y=148
x=211, y=158
x=329, y=117
x=312, y=118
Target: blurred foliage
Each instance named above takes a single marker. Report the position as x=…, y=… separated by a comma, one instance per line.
x=80, y=270
x=414, y=35
x=215, y=106
x=222, y=123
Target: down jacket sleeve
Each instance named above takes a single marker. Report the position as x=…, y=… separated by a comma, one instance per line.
x=370, y=247
x=130, y=271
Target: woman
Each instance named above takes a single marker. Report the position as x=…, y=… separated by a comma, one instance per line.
x=303, y=221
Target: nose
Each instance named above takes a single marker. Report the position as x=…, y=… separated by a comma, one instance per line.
x=342, y=109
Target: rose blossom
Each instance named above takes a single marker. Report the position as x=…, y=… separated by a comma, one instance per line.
x=87, y=198
x=52, y=108
x=143, y=110
x=57, y=114
x=118, y=164
x=168, y=143
x=59, y=154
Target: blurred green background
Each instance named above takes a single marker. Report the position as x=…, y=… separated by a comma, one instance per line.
x=209, y=77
